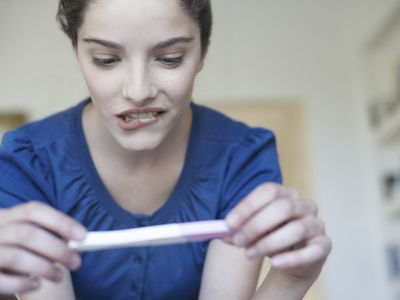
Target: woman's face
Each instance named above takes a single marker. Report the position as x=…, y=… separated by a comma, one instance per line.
x=139, y=59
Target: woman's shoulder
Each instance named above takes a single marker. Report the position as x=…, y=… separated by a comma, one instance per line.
x=37, y=159
x=39, y=133
x=232, y=158
x=40, y=147
x=217, y=126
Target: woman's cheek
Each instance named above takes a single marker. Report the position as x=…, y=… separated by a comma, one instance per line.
x=104, y=85
x=178, y=84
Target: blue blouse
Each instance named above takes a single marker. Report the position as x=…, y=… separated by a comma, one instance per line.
x=49, y=161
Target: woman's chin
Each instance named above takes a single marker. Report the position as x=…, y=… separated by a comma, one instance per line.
x=143, y=145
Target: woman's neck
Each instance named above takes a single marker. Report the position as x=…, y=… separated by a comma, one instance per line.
x=102, y=143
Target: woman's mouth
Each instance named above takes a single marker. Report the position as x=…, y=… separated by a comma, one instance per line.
x=139, y=116
x=131, y=120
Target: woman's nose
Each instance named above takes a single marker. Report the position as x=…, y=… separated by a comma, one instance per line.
x=138, y=86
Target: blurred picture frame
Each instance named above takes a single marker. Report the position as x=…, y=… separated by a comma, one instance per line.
x=10, y=120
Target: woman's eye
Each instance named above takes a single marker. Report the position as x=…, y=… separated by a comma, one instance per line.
x=105, y=62
x=171, y=61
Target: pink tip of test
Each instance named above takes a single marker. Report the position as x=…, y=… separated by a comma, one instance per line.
x=153, y=235
x=204, y=230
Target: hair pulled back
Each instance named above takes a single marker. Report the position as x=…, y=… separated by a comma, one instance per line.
x=71, y=13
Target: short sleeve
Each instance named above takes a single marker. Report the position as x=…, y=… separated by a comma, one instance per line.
x=23, y=176
x=254, y=161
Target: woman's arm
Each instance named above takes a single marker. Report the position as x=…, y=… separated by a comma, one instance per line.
x=278, y=286
x=228, y=273
x=273, y=221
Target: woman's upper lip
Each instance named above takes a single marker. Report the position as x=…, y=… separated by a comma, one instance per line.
x=141, y=110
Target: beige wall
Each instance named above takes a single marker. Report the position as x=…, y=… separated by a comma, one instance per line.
x=262, y=49
x=287, y=121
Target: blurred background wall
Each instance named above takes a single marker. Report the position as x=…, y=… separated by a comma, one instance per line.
x=307, y=51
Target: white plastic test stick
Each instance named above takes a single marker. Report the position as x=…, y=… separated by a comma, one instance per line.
x=152, y=235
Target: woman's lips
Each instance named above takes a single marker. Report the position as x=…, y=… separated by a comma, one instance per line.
x=138, y=118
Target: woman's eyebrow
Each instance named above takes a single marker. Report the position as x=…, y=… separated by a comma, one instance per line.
x=160, y=45
x=172, y=41
x=104, y=43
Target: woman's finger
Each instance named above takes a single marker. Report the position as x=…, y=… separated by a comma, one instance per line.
x=287, y=236
x=269, y=218
x=291, y=192
x=39, y=241
x=22, y=262
x=315, y=251
x=45, y=216
x=10, y=284
x=252, y=203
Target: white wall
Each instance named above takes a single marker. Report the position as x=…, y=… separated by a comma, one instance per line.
x=38, y=71
x=364, y=18
x=309, y=50
x=304, y=50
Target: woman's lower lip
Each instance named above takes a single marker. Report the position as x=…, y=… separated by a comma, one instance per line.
x=135, y=123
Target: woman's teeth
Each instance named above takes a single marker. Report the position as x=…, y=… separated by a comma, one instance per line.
x=140, y=116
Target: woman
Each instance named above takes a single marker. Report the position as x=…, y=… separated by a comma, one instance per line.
x=139, y=152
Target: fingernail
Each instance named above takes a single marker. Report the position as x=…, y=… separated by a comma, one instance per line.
x=252, y=252
x=227, y=239
x=78, y=232
x=58, y=275
x=239, y=239
x=233, y=220
x=278, y=262
x=74, y=262
x=35, y=283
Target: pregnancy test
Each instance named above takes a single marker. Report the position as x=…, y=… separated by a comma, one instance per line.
x=152, y=235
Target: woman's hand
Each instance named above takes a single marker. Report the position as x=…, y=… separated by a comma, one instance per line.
x=29, y=248
x=273, y=221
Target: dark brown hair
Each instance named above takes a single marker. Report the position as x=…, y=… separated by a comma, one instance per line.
x=71, y=12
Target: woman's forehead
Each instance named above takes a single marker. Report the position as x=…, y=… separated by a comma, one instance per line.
x=118, y=19
x=133, y=10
